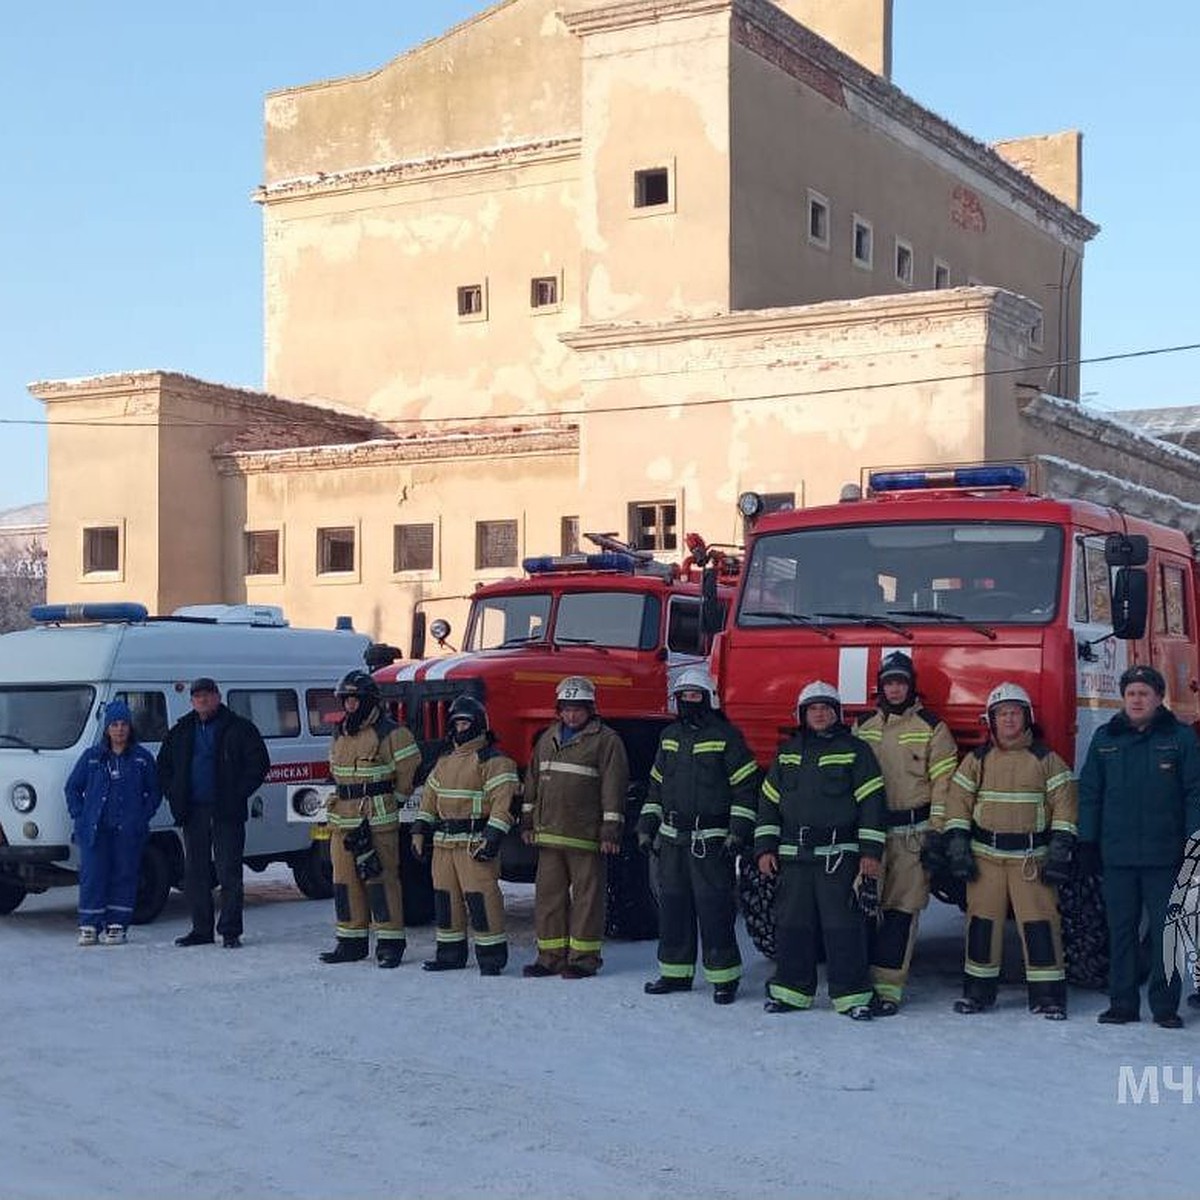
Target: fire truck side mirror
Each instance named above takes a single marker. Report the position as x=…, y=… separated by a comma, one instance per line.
x=711, y=619
x=1130, y=595
x=1127, y=550
x=418, y=635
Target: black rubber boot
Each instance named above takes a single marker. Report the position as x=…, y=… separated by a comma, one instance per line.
x=725, y=993
x=389, y=954
x=661, y=986
x=346, y=950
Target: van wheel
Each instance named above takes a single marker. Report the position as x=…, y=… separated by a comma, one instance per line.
x=756, y=899
x=11, y=895
x=154, y=884
x=312, y=870
x=416, y=883
x=632, y=900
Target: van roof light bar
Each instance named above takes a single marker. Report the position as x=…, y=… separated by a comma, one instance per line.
x=80, y=614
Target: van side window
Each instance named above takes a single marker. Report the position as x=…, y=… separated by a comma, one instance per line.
x=275, y=711
x=149, y=712
x=322, y=703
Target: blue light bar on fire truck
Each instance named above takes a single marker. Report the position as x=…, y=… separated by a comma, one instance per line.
x=608, y=561
x=1000, y=476
x=63, y=614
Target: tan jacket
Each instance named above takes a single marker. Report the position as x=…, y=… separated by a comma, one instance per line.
x=917, y=754
x=575, y=793
x=474, y=783
x=1025, y=790
x=380, y=762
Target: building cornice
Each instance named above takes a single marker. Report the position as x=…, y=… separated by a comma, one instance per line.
x=951, y=304
x=626, y=13
x=468, y=162
x=473, y=443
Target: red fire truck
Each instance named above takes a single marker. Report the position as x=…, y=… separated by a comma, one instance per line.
x=979, y=579
x=624, y=620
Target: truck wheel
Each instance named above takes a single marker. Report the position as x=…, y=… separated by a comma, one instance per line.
x=11, y=895
x=756, y=899
x=631, y=910
x=154, y=884
x=1084, y=932
x=416, y=884
x=313, y=871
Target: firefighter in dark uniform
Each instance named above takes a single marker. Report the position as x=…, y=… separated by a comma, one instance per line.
x=373, y=762
x=700, y=810
x=821, y=830
x=1010, y=834
x=573, y=811
x=917, y=755
x=466, y=806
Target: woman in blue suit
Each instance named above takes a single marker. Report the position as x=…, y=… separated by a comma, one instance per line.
x=112, y=793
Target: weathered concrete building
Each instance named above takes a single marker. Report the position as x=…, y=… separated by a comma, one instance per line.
x=581, y=265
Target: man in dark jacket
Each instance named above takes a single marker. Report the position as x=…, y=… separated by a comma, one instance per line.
x=1139, y=799
x=210, y=763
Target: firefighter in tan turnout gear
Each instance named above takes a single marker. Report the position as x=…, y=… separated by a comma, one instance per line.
x=372, y=761
x=573, y=811
x=466, y=807
x=701, y=810
x=917, y=755
x=1010, y=833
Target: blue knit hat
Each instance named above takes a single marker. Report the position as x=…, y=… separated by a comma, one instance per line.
x=117, y=710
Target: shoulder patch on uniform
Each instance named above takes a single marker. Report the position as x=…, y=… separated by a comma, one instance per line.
x=930, y=719
x=491, y=750
x=980, y=752
x=385, y=726
x=1039, y=750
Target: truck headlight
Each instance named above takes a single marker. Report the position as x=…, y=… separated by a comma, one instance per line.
x=307, y=802
x=23, y=797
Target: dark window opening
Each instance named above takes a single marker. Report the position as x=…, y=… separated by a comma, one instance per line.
x=651, y=188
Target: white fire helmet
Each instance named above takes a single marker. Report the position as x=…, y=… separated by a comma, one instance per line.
x=575, y=689
x=1009, y=693
x=698, y=678
x=818, y=692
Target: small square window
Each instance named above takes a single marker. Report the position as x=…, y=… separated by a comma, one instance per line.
x=412, y=548
x=863, y=246
x=101, y=549
x=941, y=275
x=652, y=525
x=651, y=187
x=569, y=539
x=470, y=300
x=262, y=552
x=904, y=263
x=495, y=545
x=818, y=220
x=335, y=551
x=543, y=292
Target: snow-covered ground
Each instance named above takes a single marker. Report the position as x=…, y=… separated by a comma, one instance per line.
x=151, y=1071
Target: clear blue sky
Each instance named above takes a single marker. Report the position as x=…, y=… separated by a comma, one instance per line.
x=133, y=139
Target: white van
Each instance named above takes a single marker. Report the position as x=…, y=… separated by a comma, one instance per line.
x=56, y=678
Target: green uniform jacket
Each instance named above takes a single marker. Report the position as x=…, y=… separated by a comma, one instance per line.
x=818, y=783
x=1139, y=791
x=702, y=784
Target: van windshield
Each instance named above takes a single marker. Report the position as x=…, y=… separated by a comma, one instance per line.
x=43, y=718
x=988, y=571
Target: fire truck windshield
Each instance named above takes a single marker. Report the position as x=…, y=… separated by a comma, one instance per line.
x=508, y=620
x=987, y=571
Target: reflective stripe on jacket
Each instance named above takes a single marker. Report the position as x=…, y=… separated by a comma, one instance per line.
x=917, y=755
x=474, y=781
x=380, y=752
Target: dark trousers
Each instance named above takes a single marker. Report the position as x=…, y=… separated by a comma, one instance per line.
x=208, y=840
x=697, y=891
x=812, y=901
x=108, y=877
x=1127, y=891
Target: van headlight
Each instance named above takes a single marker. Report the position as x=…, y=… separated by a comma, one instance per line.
x=23, y=797
x=307, y=802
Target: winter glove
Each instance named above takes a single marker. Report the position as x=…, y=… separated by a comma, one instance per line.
x=366, y=859
x=933, y=852
x=489, y=848
x=1087, y=859
x=646, y=843
x=417, y=847
x=867, y=896
x=732, y=846
x=960, y=862
x=1056, y=866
